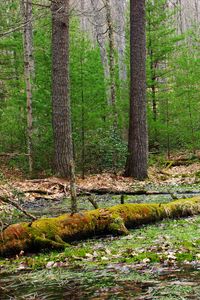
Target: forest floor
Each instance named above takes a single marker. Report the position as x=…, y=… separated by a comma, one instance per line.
x=158, y=261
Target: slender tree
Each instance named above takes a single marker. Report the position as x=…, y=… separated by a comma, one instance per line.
x=60, y=88
x=110, y=30
x=136, y=165
x=100, y=37
x=82, y=58
x=120, y=7
x=26, y=8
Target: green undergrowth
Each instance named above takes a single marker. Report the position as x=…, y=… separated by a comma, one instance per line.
x=161, y=261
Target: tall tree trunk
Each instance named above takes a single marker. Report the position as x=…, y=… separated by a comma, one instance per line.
x=120, y=38
x=196, y=5
x=82, y=59
x=60, y=88
x=180, y=16
x=138, y=137
x=111, y=52
x=26, y=8
x=83, y=19
x=153, y=66
x=168, y=128
x=98, y=25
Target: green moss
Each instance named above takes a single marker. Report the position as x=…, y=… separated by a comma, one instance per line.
x=140, y=257
x=48, y=227
x=54, y=232
x=76, y=252
x=44, y=243
x=181, y=257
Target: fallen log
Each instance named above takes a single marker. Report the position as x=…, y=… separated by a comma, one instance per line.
x=55, y=233
x=105, y=191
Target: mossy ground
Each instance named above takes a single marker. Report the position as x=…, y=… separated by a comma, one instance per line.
x=161, y=261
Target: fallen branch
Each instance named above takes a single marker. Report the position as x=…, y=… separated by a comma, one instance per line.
x=181, y=162
x=16, y=205
x=104, y=191
x=54, y=233
x=41, y=192
x=13, y=154
x=91, y=199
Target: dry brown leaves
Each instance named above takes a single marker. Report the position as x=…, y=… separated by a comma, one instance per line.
x=56, y=188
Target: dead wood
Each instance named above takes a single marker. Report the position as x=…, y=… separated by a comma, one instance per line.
x=54, y=233
x=13, y=154
x=42, y=192
x=91, y=199
x=16, y=205
x=104, y=191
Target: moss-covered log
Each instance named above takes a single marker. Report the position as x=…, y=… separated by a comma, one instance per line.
x=55, y=233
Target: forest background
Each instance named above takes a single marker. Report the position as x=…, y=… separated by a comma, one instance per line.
x=99, y=62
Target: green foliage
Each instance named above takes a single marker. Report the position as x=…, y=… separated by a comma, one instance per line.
x=173, y=71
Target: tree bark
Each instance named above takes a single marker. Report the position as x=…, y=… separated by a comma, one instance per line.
x=121, y=38
x=54, y=233
x=112, y=101
x=26, y=8
x=138, y=137
x=60, y=88
x=98, y=25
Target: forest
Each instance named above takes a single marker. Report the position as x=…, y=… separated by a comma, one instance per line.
x=99, y=149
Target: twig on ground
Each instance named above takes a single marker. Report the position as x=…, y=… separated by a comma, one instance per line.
x=16, y=205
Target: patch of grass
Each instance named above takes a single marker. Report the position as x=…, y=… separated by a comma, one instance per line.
x=77, y=251
x=172, y=292
x=185, y=257
x=135, y=276
x=140, y=257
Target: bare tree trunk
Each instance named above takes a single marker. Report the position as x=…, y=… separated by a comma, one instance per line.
x=83, y=19
x=82, y=53
x=74, y=207
x=120, y=38
x=60, y=88
x=168, y=133
x=98, y=25
x=191, y=125
x=153, y=66
x=180, y=16
x=196, y=10
x=111, y=52
x=138, y=137
x=26, y=7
